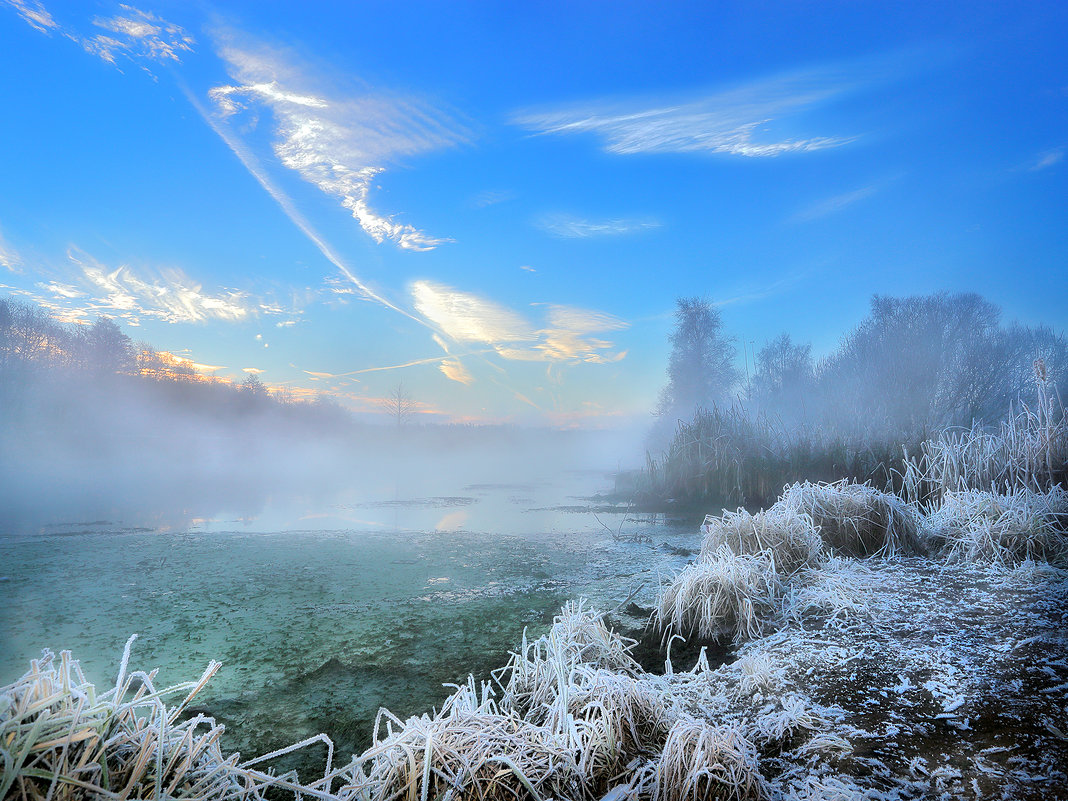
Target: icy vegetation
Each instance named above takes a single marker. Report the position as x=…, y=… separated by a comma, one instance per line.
x=889, y=676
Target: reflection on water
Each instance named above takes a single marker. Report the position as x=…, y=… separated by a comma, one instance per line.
x=320, y=619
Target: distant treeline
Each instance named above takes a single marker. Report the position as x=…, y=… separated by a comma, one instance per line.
x=913, y=367
x=94, y=427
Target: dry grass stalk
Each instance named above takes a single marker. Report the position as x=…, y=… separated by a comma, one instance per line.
x=1007, y=530
x=60, y=739
x=790, y=540
x=855, y=519
x=728, y=593
x=702, y=762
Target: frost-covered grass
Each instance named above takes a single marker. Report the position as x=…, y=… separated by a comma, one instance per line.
x=1028, y=450
x=789, y=540
x=727, y=593
x=703, y=762
x=758, y=572
x=61, y=739
x=974, y=526
x=855, y=519
x=469, y=750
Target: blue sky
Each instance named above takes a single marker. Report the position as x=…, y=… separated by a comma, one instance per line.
x=497, y=204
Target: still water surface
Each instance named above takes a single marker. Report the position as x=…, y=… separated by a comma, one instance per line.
x=321, y=618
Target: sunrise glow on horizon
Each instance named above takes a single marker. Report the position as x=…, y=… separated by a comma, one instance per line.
x=498, y=204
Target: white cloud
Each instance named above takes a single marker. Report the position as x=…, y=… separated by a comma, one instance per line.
x=34, y=14
x=564, y=337
x=455, y=370
x=65, y=291
x=169, y=295
x=464, y=317
x=566, y=226
x=339, y=144
x=736, y=122
x=138, y=34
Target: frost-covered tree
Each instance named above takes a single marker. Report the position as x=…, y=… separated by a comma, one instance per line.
x=701, y=369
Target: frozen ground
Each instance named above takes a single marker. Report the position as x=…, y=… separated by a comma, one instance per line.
x=943, y=682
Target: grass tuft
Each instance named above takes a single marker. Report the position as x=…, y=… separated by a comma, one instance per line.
x=1006, y=530
x=704, y=762
x=856, y=519
x=789, y=540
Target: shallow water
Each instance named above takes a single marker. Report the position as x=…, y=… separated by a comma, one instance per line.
x=322, y=617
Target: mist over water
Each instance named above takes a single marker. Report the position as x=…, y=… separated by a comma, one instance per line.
x=327, y=616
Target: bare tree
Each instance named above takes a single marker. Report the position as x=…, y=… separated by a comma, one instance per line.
x=701, y=370
x=784, y=374
x=253, y=387
x=400, y=405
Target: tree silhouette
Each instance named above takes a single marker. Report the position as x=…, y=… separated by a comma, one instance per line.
x=701, y=370
x=400, y=405
x=106, y=348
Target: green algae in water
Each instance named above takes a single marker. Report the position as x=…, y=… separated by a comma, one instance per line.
x=317, y=629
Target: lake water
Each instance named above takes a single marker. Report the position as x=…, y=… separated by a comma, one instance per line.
x=321, y=617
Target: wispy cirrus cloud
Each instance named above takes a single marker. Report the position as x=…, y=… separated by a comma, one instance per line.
x=34, y=15
x=454, y=370
x=90, y=287
x=564, y=337
x=136, y=34
x=834, y=204
x=337, y=141
x=567, y=226
x=132, y=34
x=1047, y=159
x=9, y=257
x=745, y=121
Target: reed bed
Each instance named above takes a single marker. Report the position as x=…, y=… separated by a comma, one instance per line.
x=1007, y=530
x=855, y=519
x=790, y=540
x=704, y=762
x=741, y=457
x=60, y=739
x=1028, y=450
